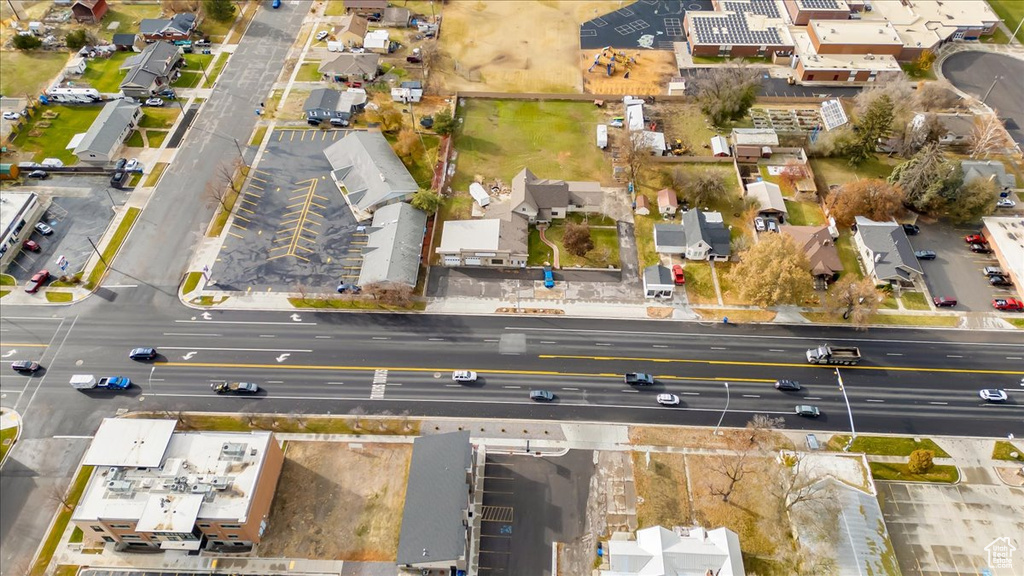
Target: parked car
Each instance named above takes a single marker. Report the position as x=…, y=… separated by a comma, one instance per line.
x=375, y=17
x=235, y=387
x=276, y=4
x=911, y=229
x=37, y=281
x=25, y=366
x=759, y=224
x=168, y=93
x=808, y=411
x=321, y=35
x=154, y=102
x=43, y=228
x=993, y=395
x=997, y=280
x=463, y=376
x=1005, y=203
x=345, y=287
x=992, y=271
x=975, y=239
x=338, y=122
x=980, y=249
x=134, y=165
x=119, y=179
x=668, y=399
x=549, y=278
x=1008, y=304
x=30, y=245
x=787, y=385
x=39, y=174
x=11, y=116
x=944, y=301
x=541, y=396
x=142, y=353
x=120, y=164
x=773, y=225
x=925, y=255
x=678, y=277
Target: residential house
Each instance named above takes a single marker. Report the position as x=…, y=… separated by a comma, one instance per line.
x=151, y=71
x=394, y=243
x=700, y=236
x=365, y=6
x=643, y=205
x=769, y=196
x=351, y=30
x=958, y=129
x=378, y=41
x=351, y=68
x=668, y=204
x=75, y=66
x=372, y=175
x=658, y=282
x=438, y=517
x=128, y=42
x=100, y=144
x=395, y=17
x=179, y=27
x=89, y=10
x=327, y=103
x=720, y=147
x=991, y=170
x=886, y=252
x=694, y=551
x=494, y=242
x=1005, y=236
x=154, y=488
x=543, y=200
x=820, y=248
x=409, y=91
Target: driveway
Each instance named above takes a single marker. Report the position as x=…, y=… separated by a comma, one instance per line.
x=956, y=271
x=976, y=72
x=528, y=504
x=647, y=23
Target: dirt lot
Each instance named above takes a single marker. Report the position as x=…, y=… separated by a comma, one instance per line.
x=339, y=501
x=650, y=74
x=499, y=46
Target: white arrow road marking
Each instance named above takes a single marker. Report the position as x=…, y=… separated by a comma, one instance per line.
x=189, y=356
x=296, y=318
x=283, y=357
x=11, y=353
x=206, y=316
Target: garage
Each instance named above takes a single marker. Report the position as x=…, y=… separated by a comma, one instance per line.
x=473, y=262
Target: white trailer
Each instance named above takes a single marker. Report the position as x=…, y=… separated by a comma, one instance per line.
x=602, y=136
x=83, y=381
x=479, y=194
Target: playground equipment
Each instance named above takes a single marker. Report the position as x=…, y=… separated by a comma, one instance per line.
x=608, y=59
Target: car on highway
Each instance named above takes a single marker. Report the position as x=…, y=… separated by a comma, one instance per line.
x=1008, y=304
x=31, y=246
x=911, y=229
x=37, y=281
x=997, y=280
x=464, y=376
x=43, y=228
x=925, y=255
x=549, y=277
x=321, y=35
x=787, y=385
x=1005, y=203
x=993, y=395
x=992, y=271
x=39, y=174
x=234, y=387
x=541, y=396
x=142, y=353
x=638, y=379
x=678, y=277
x=668, y=399
x=975, y=239
x=807, y=410
x=154, y=102
x=944, y=301
x=25, y=366
x=980, y=249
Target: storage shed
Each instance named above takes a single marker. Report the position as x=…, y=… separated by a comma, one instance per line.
x=479, y=193
x=720, y=147
x=9, y=171
x=602, y=136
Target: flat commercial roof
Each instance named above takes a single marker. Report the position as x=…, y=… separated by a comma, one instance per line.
x=479, y=235
x=856, y=32
x=1007, y=233
x=811, y=60
x=130, y=442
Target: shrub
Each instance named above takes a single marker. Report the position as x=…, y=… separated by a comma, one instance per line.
x=920, y=461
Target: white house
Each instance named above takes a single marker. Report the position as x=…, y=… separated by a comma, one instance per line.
x=658, y=551
x=75, y=66
x=378, y=41
x=658, y=282
x=99, y=144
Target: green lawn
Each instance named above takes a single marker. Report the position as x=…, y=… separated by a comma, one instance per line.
x=196, y=62
x=247, y=13
x=214, y=72
x=686, y=122
x=350, y=304
x=7, y=440
x=258, y=135
x=104, y=74
x=1017, y=322
x=154, y=176
x=159, y=117
x=942, y=473
x=308, y=72
x=590, y=218
x=61, y=523
x=888, y=319
x=335, y=9
x=7, y=280
x=51, y=141
x=998, y=37
x=191, y=281
x=700, y=288
x=1011, y=12
x=188, y=79
x=156, y=137
x=804, y=213
x=915, y=73
x=217, y=30
x=134, y=140
x=886, y=445
x=59, y=296
x=27, y=74
x=848, y=254
x=111, y=250
x=838, y=170
x=604, y=254
x=914, y=301
x=128, y=16
x=1003, y=451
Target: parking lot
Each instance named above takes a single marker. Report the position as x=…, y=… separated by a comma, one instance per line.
x=292, y=226
x=528, y=504
x=647, y=23
x=956, y=271
x=79, y=209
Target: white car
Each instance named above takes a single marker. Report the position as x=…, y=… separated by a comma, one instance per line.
x=993, y=395
x=11, y=115
x=134, y=165
x=1005, y=203
x=759, y=224
x=463, y=376
x=155, y=102
x=322, y=34
x=668, y=399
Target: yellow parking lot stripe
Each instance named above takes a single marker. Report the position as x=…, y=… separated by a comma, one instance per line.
x=246, y=210
x=242, y=218
x=236, y=235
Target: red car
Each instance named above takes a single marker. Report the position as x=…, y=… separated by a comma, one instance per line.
x=944, y=301
x=31, y=246
x=37, y=281
x=677, y=275
x=1008, y=304
x=975, y=239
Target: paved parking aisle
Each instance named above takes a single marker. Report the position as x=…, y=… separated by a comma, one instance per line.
x=292, y=226
x=956, y=271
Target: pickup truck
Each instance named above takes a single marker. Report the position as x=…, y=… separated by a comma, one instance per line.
x=638, y=379
x=826, y=354
x=88, y=382
x=235, y=387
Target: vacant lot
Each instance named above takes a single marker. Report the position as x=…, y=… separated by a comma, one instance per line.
x=28, y=74
x=339, y=502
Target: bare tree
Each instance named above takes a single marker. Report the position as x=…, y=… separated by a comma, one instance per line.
x=390, y=293
x=734, y=466
x=726, y=93
x=59, y=494
x=227, y=172
x=792, y=173
x=989, y=136
x=217, y=191
x=936, y=96
x=856, y=299
x=699, y=189
x=761, y=427
x=638, y=155
x=303, y=291
x=798, y=481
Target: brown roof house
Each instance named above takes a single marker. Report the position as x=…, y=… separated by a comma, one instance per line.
x=89, y=10
x=348, y=67
x=820, y=248
x=668, y=204
x=351, y=30
x=363, y=6
x=643, y=206
x=541, y=199
x=769, y=196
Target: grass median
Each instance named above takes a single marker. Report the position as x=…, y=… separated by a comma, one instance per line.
x=7, y=436
x=940, y=473
x=191, y=281
x=61, y=523
x=1003, y=450
x=885, y=445
x=351, y=304
x=112, y=247
x=154, y=176
x=59, y=296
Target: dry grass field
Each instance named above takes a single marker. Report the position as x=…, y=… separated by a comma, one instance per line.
x=650, y=74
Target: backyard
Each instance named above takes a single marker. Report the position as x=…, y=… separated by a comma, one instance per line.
x=604, y=254
x=839, y=171
x=104, y=74
x=48, y=133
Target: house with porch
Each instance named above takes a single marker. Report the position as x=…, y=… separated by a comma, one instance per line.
x=886, y=252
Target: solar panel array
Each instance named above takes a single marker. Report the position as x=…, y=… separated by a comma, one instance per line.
x=766, y=8
x=820, y=5
x=833, y=114
x=732, y=29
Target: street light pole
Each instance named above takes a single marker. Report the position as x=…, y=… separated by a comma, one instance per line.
x=989, y=91
x=151, y=370
x=723, y=411
x=1014, y=35
x=853, y=431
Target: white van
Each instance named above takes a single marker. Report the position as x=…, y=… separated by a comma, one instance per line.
x=83, y=381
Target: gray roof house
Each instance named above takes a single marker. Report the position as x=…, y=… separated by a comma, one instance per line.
x=326, y=103
x=988, y=170
x=886, y=252
x=179, y=27
x=541, y=200
x=658, y=282
x=769, y=196
x=700, y=236
x=114, y=123
x=958, y=129
x=150, y=71
x=395, y=17
x=128, y=42
x=394, y=243
x=371, y=173
x=348, y=66
x=436, y=525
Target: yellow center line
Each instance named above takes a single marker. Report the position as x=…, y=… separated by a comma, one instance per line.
x=778, y=364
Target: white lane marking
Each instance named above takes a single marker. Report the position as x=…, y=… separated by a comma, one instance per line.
x=233, y=349
x=939, y=403
x=756, y=336
x=336, y=383
x=630, y=391
x=953, y=356
x=545, y=342
x=573, y=389
x=751, y=395
x=601, y=344
x=690, y=393
x=491, y=340
x=189, y=355
x=1013, y=358
x=267, y=336
x=436, y=339
x=68, y=437
x=813, y=398
x=31, y=318
x=718, y=348
x=453, y=385
x=283, y=357
x=873, y=400
x=512, y=387
x=660, y=346
x=275, y=381
x=322, y=337
x=381, y=338
x=188, y=334
x=893, y=354
x=776, y=350
x=12, y=352
x=243, y=322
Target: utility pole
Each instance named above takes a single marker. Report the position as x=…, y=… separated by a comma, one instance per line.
x=989, y=91
x=98, y=253
x=716, y=433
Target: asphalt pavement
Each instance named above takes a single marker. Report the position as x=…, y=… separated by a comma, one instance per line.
x=644, y=24
x=994, y=77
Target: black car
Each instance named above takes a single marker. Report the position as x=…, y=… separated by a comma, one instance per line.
x=142, y=354
x=119, y=179
x=25, y=366
x=980, y=249
x=119, y=166
x=911, y=229
x=999, y=281
x=787, y=385
x=39, y=174
x=925, y=255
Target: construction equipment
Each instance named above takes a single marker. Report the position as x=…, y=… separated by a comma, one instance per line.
x=678, y=148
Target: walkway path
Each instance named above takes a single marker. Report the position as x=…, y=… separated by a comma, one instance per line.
x=554, y=259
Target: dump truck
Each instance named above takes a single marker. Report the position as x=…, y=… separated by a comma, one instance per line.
x=827, y=354
x=88, y=382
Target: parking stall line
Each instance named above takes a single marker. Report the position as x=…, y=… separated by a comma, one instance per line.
x=246, y=210
x=242, y=218
x=236, y=235
x=257, y=196
x=249, y=202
